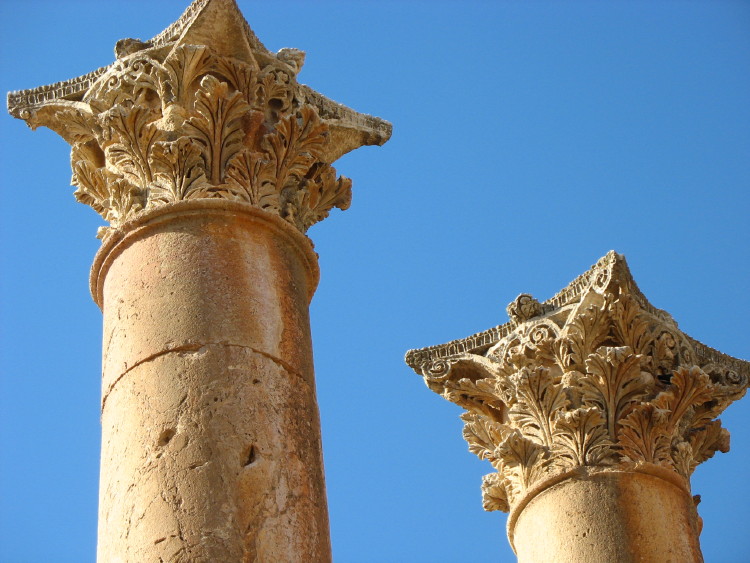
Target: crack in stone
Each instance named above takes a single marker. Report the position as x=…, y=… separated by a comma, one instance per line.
x=278, y=361
x=195, y=348
x=152, y=357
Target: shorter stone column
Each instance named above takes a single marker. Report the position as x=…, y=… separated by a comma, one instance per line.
x=594, y=409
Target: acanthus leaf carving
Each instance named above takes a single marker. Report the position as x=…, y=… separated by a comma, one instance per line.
x=129, y=139
x=124, y=199
x=242, y=76
x=582, y=437
x=258, y=132
x=705, y=442
x=613, y=382
x=689, y=389
x=630, y=326
x=315, y=197
x=180, y=74
x=245, y=180
x=475, y=396
x=180, y=171
x=293, y=147
x=494, y=493
x=81, y=124
x=538, y=396
x=108, y=193
x=589, y=329
x=275, y=92
x=91, y=185
x=519, y=460
x=595, y=379
x=217, y=124
x=483, y=435
x=644, y=436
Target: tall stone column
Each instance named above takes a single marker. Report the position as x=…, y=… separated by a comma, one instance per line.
x=209, y=161
x=594, y=409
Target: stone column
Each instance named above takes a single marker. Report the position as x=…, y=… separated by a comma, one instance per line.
x=594, y=409
x=209, y=161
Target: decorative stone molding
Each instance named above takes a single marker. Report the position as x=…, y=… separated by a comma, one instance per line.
x=203, y=110
x=594, y=379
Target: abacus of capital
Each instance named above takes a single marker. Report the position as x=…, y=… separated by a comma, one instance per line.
x=209, y=161
x=594, y=409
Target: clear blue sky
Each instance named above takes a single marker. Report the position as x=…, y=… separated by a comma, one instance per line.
x=529, y=139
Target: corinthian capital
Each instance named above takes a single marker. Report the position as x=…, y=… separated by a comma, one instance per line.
x=593, y=379
x=202, y=110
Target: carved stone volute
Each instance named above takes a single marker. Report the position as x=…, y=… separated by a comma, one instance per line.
x=594, y=379
x=203, y=110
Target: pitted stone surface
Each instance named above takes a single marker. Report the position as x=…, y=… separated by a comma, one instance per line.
x=211, y=435
x=222, y=462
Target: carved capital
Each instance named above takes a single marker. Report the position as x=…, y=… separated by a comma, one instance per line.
x=593, y=379
x=203, y=110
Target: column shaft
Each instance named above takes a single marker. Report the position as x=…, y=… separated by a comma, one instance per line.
x=626, y=517
x=211, y=446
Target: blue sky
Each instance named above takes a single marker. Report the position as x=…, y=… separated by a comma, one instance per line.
x=529, y=139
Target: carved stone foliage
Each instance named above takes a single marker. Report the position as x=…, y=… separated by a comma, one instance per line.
x=601, y=381
x=196, y=125
x=202, y=110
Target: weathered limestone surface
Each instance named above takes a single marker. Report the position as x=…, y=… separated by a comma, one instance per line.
x=209, y=161
x=594, y=409
x=211, y=436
